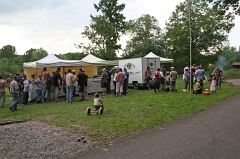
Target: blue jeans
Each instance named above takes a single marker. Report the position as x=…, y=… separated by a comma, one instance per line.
x=25, y=97
x=15, y=97
x=218, y=82
x=39, y=95
x=48, y=90
x=69, y=93
x=186, y=84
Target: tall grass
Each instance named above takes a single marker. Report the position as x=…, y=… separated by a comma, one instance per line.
x=139, y=110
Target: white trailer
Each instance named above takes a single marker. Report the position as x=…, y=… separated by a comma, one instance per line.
x=136, y=68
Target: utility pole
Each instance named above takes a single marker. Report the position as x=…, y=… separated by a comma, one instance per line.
x=190, y=45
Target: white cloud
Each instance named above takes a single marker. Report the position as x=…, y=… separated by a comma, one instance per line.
x=56, y=25
x=12, y=36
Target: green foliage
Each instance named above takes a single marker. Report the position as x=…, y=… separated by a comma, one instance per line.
x=226, y=5
x=145, y=36
x=34, y=55
x=6, y=68
x=209, y=31
x=105, y=30
x=8, y=52
x=71, y=56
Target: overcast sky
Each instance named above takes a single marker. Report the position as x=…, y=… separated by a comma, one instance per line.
x=56, y=25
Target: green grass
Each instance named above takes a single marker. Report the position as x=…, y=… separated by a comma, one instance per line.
x=138, y=111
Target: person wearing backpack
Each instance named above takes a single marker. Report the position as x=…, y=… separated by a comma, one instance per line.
x=46, y=80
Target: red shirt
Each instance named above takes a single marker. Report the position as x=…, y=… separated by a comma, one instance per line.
x=156, y=75
x=120, y=77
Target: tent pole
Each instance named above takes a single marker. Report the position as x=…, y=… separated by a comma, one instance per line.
x=36, y=70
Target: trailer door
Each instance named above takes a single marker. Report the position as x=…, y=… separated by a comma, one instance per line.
x=153, y=64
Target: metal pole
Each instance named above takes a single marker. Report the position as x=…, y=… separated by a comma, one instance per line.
x=190, y=46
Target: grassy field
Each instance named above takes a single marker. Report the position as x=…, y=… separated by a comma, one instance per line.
x=138, y=111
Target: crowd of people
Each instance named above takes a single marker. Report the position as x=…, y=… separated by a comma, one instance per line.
x=48, y=87
x=197, y=75
x=161, y=78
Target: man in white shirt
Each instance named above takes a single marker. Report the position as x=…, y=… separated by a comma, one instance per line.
x=69, y=86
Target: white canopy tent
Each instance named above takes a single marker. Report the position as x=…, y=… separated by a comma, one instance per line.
x=162, y=59
x=95, y=61
x=89, y=63
x=52, y=61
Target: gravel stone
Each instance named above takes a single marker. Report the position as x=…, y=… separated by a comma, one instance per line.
x=38, y=140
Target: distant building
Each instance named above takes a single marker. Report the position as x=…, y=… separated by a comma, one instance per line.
x=236, y=65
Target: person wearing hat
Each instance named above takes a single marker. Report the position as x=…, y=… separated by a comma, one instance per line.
x=9, y=80
x=3, y=84
x=14, y=90
x=173, y=78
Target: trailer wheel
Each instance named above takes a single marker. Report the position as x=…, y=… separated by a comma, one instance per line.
x=135, y=85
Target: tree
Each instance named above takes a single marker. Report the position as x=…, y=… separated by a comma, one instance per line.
x=8, y=52
x=34, y=55
x=209, y=31
x=28, y=55
x=105, y=30
x=71, y=56
x=6, y=68
x=225, y=5
x=145, y=36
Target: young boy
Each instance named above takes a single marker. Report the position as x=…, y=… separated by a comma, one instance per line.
x=97, y=102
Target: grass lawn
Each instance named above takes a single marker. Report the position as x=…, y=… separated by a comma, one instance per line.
x=138, y=111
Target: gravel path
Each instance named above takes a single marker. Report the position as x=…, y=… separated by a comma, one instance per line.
x=38, y=140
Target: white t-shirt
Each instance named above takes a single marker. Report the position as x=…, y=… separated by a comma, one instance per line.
x=97, y=101
x=161, y=74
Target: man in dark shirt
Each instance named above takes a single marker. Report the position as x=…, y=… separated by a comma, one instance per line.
x=81, y=78
x=108, y=81
x=86, y=88
x=57, y=82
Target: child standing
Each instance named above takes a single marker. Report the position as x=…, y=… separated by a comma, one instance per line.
x=213, y=85
x=97, y=102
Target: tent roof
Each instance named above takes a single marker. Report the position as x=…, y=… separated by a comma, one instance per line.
x=162, y=59
x=93, y=60
x=52, y=61
x=236, y=64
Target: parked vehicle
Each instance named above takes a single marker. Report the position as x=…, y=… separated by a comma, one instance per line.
x=136, y=68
